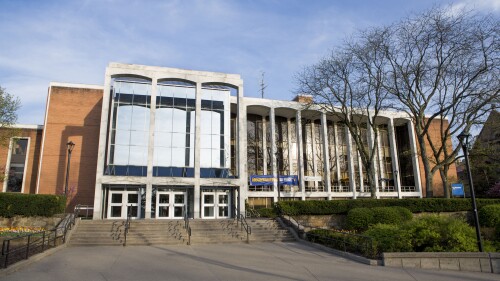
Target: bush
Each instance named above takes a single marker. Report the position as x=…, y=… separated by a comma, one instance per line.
x=489, y=216
x=266, y=212
x=359, y=219
x=386, y=215
x=18, y=204
x=389, y=238
x=415, y=205
x=349, y=242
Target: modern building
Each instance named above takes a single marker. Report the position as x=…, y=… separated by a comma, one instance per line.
x=161, y=142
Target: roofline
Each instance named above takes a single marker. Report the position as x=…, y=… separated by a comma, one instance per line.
x=75, y=85
x=27, y=126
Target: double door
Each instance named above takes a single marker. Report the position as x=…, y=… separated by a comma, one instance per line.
x=121, y=202
x=216, y=204
x=170, y=204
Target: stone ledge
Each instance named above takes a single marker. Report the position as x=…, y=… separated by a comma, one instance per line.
x=475, y=262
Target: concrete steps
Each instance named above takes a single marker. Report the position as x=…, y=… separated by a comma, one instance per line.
x=172, y=232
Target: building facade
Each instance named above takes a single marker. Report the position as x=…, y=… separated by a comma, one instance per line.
x=163, y=142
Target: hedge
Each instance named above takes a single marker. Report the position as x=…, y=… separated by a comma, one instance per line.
x=489, y=216
x=28, y=205
x=360, y=219
x=415, y=205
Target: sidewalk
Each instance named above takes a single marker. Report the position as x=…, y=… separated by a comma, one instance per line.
x=259, y=261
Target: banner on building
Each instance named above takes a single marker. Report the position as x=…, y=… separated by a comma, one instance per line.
x=257, y=180
x=457, y=189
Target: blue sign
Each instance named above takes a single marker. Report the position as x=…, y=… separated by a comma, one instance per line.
x=457, y=189
x=258, y=180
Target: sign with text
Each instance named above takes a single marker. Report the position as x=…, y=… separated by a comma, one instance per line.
x=457, y=189
x=257, y=180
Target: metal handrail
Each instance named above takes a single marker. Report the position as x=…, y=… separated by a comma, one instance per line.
x=186, y=225
x=127, y=224
x=245, y=225
x=37, y=242
x=81, y=207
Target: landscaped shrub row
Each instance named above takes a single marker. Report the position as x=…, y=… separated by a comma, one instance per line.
x=415, y=205
x=16, y=204
x=360, y=219
x=489, y=216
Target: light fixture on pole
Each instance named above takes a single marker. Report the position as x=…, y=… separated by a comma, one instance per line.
x=464, y=142
x=70, y=145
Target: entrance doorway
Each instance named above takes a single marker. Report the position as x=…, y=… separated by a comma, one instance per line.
x=170, y=204
x=215, y=203
x=120, y=201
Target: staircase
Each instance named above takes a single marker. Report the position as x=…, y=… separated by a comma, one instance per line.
x=170, y=232
x=141, y=232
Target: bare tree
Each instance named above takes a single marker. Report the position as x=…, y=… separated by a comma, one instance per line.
x=8, y=115
x=348, y=84
x=444, y=71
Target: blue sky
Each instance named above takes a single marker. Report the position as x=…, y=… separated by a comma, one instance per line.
x=73, y=41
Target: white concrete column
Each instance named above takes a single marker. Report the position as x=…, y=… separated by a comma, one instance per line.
x=314, y=156
x=241, y=142
x=103, y=133
x=371, y=144
x=298, y=123
x=289, y=137
x=273, y=146
x=149, y=178
x=394, y=157
x=326, y=155
x=352, y=178
x=414, y=158
x=197, y=153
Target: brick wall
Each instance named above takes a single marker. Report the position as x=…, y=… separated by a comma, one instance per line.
x=72, y=114
x=437, y=185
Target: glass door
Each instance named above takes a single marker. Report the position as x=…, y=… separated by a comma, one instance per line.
x=119, y=202
x=170, y=204
x=216, y=204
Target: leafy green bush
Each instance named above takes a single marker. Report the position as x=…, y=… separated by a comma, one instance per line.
x=415, y=205
x=359, y=219
x=386, y=215
x=489, y=216
x=390, y=238
x=18, y=204
x=266, y=212
x=349, y=242
x=429, y=233
x=404, y=213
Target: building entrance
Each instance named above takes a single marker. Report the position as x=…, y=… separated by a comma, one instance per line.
x=216, y=203
x=170, y=204
x=119, y=202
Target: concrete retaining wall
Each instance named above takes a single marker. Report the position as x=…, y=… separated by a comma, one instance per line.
x=476, y=262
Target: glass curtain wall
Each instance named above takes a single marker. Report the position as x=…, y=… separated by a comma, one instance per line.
x=174, y=130
x=343, y=158
x=215, y=136
x=404, y=157
x=307, y=144
x=293, y=147
x=281, y=136
x=318, y=153
x=255, y=152
x=130, y=127
x=334, y=180
x=385, y=160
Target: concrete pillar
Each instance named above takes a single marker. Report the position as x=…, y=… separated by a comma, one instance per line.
x=264, y=146
x=326, y=155
x=273, y=146
x=241, y=142
x=337, y=163
x=414, y=158
x=298, y=117
x=314, y=155
x=394, y=157
x=149, y=177
x=289, y=137
x=197, y=153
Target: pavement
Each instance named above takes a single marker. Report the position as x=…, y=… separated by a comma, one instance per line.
x=257, y=261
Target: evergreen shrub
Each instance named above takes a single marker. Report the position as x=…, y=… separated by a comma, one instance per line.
x=489, y=216
x=29, y=205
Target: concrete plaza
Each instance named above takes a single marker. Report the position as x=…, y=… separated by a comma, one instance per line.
x=258, y=261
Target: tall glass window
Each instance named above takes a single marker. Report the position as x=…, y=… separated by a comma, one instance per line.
x=343, y=157
x=174, y=129
x=333, y=156
x=385, y=160
x=128, y=150
x=18, y=152
x=215, y=136
x=255, y=155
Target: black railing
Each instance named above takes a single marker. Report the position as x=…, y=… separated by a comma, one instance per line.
x=244, y=225
x=186, y=225
x=84, y=211
x=127, y=225
x=22, y=247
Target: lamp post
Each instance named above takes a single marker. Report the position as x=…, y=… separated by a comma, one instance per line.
x=70, y=145
x=464, y=142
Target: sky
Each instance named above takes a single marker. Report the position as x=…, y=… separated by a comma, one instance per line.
x=73, y=41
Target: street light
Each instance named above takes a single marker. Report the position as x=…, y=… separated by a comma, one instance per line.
x=464, y=142
x=70, y=145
